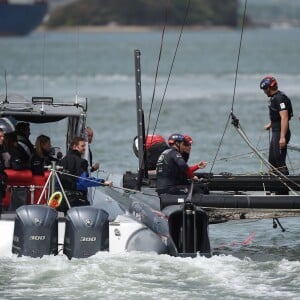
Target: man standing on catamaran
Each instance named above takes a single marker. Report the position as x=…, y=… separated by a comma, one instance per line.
x=281, y=111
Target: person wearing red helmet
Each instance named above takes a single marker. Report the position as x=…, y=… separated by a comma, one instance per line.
x=173, y=173
x=280, y=111
x=187, y=146
x=155, y=145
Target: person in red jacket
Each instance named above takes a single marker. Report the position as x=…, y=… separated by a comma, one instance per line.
x=187, y=146
x=173, y=173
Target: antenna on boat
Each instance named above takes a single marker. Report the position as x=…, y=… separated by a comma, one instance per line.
x=76, y=67
x=43, y=65
x=142, y=172
x=5, y=101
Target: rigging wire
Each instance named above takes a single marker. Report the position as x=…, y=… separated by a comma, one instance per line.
x=173, y=61
x=272, y=170
x=236, y=123
x=102, y=184
x=238, y=57
x=219, y=146
x=170, y=71
x=234, y=88
x=237, y=156
x=157, y=68
x=77, y=64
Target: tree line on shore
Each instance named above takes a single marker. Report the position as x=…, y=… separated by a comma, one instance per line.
x=146, y=13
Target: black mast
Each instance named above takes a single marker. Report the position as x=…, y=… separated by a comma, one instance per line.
x=142, y=172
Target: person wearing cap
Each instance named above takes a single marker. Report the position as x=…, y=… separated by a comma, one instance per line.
x=280, y=112
x=173, y=173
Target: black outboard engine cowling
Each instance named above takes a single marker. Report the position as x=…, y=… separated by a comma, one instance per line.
x=36, y=231
x=188, y=226
x=86, y=231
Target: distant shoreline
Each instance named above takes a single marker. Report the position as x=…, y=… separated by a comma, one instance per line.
x=126, y=28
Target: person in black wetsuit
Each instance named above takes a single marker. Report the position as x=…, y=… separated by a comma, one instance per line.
x=15, y=157
x=173, y=173
x=280, y=111
x=41, y=155
x=155, y=145
x=25, y=146
x=188, y=147
x=75, y=177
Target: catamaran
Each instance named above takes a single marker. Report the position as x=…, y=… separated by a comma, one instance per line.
x=130, y=215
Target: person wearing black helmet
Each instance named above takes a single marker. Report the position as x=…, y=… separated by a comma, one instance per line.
x=173, y=173
x=280, y=111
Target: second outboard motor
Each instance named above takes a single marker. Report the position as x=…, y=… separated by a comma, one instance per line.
x=36, y=231
x=86, y=231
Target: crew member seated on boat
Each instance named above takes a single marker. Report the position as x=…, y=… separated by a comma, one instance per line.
x=188, y=147
x=155, y=145
x=186, y=153
x=3, y=175
x=75, y=177
x=14, y=156
x=173, y=173
x=25, y=145
x=41, y=155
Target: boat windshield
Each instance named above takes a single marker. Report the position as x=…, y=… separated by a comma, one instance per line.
x=61, y=120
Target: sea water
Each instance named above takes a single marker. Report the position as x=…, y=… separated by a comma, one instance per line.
x=195, y=96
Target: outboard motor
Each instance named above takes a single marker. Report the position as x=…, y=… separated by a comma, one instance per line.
x=36, y=231
x=86, y=231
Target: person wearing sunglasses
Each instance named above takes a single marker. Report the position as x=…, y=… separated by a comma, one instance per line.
x=280, y=111
x=188, y=147
x=173, y=173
